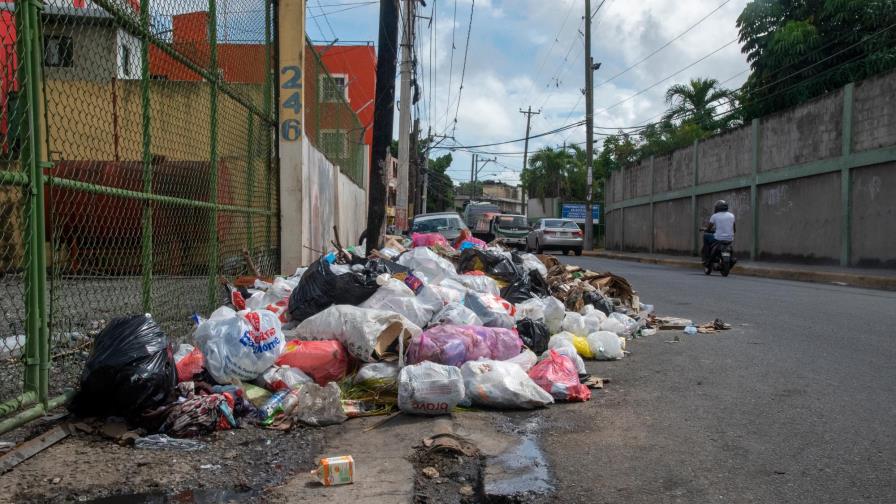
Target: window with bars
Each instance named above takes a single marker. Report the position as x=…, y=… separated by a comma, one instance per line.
x=333, y=88
x=58, y=51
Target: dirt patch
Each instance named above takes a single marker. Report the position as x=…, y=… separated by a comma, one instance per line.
x=447, y=477
x=234, y=465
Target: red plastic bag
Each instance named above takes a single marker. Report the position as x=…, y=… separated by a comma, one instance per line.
x=189, y=365
x=324, y=361
x=428, y=239
x=557, y=375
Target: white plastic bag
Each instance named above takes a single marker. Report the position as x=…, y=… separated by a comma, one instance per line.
x=630, y=325
x=612, y=325
x=393, y=295
x=500, y=384
x=239, y=345
x=489, y=309
x=366, y=333
x=554, y=312
x=530, y=262
x=570, y=352
x=525, y=360
x=319, y=406
x=428, y=388
x=451, y=291
x=277, y=378
x=530, y=308
x=427, y=265
x=456, y=314
x=574, y=323
x=593, y=321
x=561, y=339
x=605, y=345
x=379, y=372
x=481, y=284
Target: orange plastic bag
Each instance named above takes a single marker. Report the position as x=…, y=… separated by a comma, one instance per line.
x=189, y=365
x=324, y=361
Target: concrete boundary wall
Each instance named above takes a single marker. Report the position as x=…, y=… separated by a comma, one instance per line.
x=812, y=184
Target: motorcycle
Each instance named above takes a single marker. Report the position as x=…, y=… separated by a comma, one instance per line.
x=721, y=258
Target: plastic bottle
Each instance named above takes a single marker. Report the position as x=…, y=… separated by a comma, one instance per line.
x=690, y=330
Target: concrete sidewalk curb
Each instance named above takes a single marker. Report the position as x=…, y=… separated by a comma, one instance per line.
x=800, y=275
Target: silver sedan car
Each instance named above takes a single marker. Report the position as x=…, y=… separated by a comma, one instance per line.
x=555, y=234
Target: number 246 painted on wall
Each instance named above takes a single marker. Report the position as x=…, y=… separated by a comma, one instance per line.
x=291, y=107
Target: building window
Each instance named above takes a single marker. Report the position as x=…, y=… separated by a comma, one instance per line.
x=125, y=61
x=334, y=143
x=58, y=52
x=333, y=88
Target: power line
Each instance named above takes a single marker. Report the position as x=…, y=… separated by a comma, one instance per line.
x=464, y=68
x=451, y=65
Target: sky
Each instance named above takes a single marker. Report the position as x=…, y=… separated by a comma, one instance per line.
x=531, y=53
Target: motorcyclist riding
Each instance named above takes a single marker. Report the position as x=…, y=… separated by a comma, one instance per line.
x=721, y=228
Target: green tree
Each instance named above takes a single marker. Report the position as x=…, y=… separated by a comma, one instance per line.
x=698, y=102
x=558, y=172
x=440, y=187
x=799, y=49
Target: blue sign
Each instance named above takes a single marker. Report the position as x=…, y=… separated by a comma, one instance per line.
x=576, y=212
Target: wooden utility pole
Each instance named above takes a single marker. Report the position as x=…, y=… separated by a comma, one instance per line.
x=529, y=115
x=383, y=113
x=404, y=117
x=589, y=128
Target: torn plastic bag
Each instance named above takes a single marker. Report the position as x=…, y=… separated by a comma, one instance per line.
x=189, y=361
x=395, y=296
x=239, y=346
x=525, y=360
x=502, y=385
x=377, y=374
x=130, y=369
x=597, y=300
x=492, y=310
x=323, y=361
x=429, y=389
x=319, y=406
x=491, y=263
x=320, y=287
x=534, y=334
x=481, y=284
x=367, y=334
x=530, y=308
x=456, y=314
x=429, y=266
x=613, y=325
x=557, y=375
x=554, y=312
x=570, y=352
x=277, y=378
x=630, y=325
x=605, y=345
x=455, y=344
x=451, y=291
x=532, y=263
x=428, y=239
x=574, y=323
x=529, y=285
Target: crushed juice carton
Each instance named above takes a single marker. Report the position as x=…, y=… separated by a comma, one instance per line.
x=335, y=470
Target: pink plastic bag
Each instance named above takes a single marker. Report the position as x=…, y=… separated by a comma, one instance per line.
x=453, y=345
x=189, y=365
x=557, y=375
x=428, y=239
x=324, y=361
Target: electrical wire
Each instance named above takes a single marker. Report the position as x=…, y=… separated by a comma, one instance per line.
x=463, y=72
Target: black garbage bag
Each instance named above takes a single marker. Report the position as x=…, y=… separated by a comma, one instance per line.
x=534, y=334
x=130, y=370
x=495, y=265
x=526, y=287
x=597, y=300
x=320, y=288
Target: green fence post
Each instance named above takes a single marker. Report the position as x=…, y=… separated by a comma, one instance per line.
x=846, y=178
x=268, y=105
x=250, y=181
x=147, y=159
x=213, y=154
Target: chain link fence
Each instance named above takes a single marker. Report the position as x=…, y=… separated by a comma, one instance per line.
x=137, y=169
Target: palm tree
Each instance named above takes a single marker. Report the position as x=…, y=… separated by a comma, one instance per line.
x=696, y=102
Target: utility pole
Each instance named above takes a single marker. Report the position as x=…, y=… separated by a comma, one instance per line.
x=472, y=177
x=529, y=115
x=383, y=113
x=414, y=171
x=589, y=128
x=425, y=189
x=404, y=117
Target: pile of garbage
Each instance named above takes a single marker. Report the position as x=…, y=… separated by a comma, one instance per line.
x=421, y=326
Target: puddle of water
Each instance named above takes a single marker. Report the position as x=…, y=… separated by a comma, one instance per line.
x=204, y=496
x=520, y=470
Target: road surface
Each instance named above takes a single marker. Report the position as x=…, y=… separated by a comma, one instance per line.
x=796, y=404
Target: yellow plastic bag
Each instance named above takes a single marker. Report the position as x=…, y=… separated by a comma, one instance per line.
x=582, y=347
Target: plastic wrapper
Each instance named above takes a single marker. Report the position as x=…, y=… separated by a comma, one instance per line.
x=574, y=323
x=613, y=325
x=277, y=378
x=529, y=285
x=554, y=313
x=481, y=284
x=455, y=344
x=165, y=442
x=319, y=406
x=428, y=265
x=629, y=325
x=534, y=334
x=377, y=373
x=573, y=355
x=525, y=360
x=321, y=287
x=492, y=310
x=456, y=314
x=396, y=296
x=323, y=361
x=130, y=369
x=557, y=375
x=503, y=385
x=429, y=389
x=367, y=334
x=605, y=345
x=189, y=361
x=239, y=346
x=531, y=262
x=428, y=239
x=530, y=308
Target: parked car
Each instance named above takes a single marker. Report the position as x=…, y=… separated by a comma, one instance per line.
x=512, y=229
x=555, y=234
x=447, y=224
x=477, y=215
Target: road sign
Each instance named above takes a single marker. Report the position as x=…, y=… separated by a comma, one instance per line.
x=576, y=212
